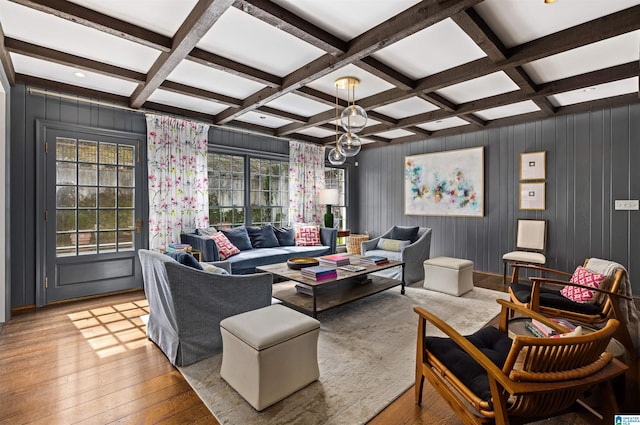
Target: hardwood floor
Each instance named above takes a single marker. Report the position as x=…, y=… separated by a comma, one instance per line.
x=89, y=362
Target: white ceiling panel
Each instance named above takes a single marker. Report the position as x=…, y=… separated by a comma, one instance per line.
x=370, y=122
x=508, y=110
x=299, y=105
x=316, y=132
x=601, y=91
x=66, y=74
x=346, y=18
x=207, y=78
x=369, y=83
x=437, y=48
x=161, y=16
x=406, y=108
x=393, y=134
x=518, y=21
x=49, y=31
x=610, y=52
x=187, y=102
x=245, y=39
x=263, y=120
x=479, y=88
x=443, y=123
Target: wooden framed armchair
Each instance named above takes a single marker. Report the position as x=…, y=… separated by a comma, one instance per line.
x=489, y=378
x=542, y=294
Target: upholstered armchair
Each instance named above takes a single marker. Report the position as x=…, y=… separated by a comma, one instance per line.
x=413, y=252
x=488, y=377
x=186, y=305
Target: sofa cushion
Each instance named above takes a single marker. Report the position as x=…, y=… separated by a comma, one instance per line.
x=405, y=233
x=263, y=236
x=392, y=244
x=206, y=231
x=584, y=277
x=239, y=237
x=225, y=248
x=307, y=235
x=184, y=259
x=490, y=341
x=285, y=235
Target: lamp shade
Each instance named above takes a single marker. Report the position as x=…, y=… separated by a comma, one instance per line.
x=328, y=197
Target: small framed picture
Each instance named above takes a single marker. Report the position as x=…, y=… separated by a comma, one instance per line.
x=532, y=166
x=532, y=196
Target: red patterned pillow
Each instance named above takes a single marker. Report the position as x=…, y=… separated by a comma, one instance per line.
x=307, y=235
x=584, y=277
x=225, y=248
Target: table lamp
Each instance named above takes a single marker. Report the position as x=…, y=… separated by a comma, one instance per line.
x=328, y=197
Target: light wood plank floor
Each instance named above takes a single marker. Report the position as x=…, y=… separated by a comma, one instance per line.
x=89, y=362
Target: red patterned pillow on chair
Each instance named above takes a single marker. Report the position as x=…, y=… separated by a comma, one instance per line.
x=225, y=248
x=307, y=235
x=584, y=277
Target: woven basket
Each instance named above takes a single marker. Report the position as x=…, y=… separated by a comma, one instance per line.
x=354, y=241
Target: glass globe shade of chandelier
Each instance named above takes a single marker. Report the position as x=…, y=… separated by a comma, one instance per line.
x=353, y=118
x=336, y=158
x=349, y=144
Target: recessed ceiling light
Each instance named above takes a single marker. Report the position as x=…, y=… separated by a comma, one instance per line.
x=262, y=117
x=438, y=122
x=79, y=74
x=588, y=89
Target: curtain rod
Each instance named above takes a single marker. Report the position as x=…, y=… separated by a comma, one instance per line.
x=145, y=111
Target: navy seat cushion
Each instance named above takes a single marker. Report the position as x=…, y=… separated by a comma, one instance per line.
x=239, y=237
x=552, y=298
x=405, y=233
x=491, y=341
x=263, y=236
x=184, y=259
x=285, y=235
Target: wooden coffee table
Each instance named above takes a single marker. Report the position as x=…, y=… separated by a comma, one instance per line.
x=327, y=294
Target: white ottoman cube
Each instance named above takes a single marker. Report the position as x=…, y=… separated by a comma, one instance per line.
x=452, y=276
x=269, y=353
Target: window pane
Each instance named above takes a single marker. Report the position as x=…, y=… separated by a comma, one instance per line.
x=107, y=153
x=107, y=241
x=87, y=197
x=66, y=197
x=107, y=197
x=107, y=219
x=65, y=149
x=65, y=173
x=125, y=240
x=125, y=198
x=108, y=175
x=87, y=219
x=88, y=174
x=66, y=220
x=126, y=176
x=86, y=242
x=87, y=151
x=125, y=219
x=125, y=155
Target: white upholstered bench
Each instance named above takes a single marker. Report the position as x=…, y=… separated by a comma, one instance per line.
x=269, y=353
x=453, y=276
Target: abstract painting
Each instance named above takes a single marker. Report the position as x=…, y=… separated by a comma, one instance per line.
x=445, y=183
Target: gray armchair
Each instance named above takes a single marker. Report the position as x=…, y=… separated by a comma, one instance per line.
x=186, y=305
x=412, y=255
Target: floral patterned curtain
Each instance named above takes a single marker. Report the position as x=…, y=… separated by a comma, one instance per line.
x=306, y=178
x=178, y=188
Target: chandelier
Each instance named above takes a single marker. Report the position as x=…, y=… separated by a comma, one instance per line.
x=353, y=119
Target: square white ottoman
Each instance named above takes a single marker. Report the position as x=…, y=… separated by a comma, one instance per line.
x=269, y=353
x=453, y=276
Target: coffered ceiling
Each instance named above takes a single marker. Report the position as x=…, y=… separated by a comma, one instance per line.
x=427, y=68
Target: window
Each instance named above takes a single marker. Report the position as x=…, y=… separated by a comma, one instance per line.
x=226, y=190
x=269, y=191
x=334, y=179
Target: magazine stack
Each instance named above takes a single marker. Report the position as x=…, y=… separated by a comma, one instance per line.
x=335, y=260
x=374, y=260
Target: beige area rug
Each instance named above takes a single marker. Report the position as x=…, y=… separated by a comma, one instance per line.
x=366, y=354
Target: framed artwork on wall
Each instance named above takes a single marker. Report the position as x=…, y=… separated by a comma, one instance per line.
x=532, y=196
x=447, y=183
x=532, y=166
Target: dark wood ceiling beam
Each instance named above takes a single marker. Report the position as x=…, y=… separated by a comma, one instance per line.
x=471, y=23
x=96, y=20
x=5, y=59
x=288, y=22
x=593, y=78
x=439, y=101
x=385, y=98
x=319, y=96
x=51, y=55
x=385, y=72
x=381, y=117
x=199, y=93
x=472, y=119
x=204, y=14
x=278, y=113
x=71, y=89
x=595, y=105
x=220, y=63
x=412, y=20
x=314, y=121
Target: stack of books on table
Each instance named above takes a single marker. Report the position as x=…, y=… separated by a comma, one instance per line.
x=319, y=272
x=539, y=329
x=374, y=260
x=180, y=247
x=335, y=260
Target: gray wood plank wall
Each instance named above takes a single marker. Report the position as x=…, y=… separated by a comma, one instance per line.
x=592, y=160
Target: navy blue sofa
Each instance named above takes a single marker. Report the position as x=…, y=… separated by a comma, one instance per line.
x=246, y=261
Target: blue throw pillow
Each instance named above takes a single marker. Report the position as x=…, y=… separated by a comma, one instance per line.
x=239, y=237
x=404, y=233
x=285, y=235
x=184, y=258
x=263, y=236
